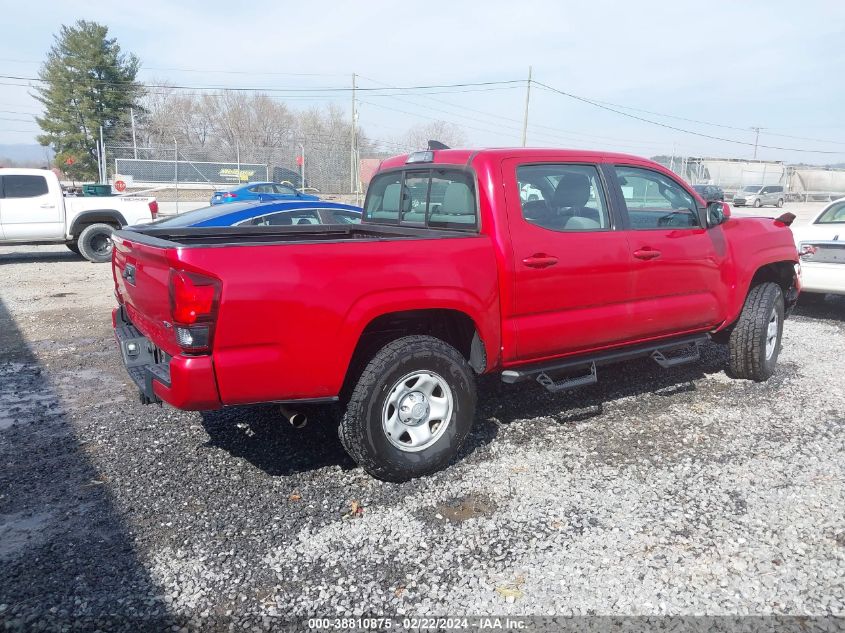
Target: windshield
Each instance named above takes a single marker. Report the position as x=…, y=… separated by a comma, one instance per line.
x=834, y=215
x=752, y=188
x=200, y=215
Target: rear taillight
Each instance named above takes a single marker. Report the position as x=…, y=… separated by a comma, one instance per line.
x=807, y=251
x=154, y=209
x=194, y=300
x=229, y=194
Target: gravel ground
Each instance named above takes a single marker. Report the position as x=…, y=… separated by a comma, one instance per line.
x=654, y=492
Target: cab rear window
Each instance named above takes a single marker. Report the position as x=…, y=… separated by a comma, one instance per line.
x=433, y=197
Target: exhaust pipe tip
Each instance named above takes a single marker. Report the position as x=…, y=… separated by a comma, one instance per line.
x=296, y=419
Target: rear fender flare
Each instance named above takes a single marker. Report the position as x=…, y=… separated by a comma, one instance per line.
x=484, y=314
x=106, y=216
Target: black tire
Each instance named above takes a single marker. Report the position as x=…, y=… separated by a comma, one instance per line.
x=747, y=346
x=362, y=431
x=780, y=202
x=757, y=203
x=95, y=243
x=73, y=247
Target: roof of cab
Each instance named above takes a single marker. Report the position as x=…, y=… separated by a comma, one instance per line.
x=463, y=156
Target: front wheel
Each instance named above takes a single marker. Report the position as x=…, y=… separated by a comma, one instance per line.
x=411, y=410
x=755, y=342
x=95, y=243
x=757, y=203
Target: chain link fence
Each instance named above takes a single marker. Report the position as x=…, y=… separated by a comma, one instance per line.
x=188, y=172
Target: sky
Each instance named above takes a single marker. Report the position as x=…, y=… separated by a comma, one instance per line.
x=714, y=68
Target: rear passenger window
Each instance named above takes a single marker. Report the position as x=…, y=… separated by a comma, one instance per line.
x=285, y=218
x=437, y=198
x=655, y=201
x=563, y=197
x=24, y=186
x=335, y=216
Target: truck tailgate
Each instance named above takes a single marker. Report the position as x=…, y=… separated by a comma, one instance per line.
x=141, y=278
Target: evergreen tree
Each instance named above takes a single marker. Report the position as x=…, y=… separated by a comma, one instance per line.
x=87, y=82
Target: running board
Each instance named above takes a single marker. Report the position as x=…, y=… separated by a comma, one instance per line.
x=678, y=356
x=667, y=353
x=570, y=382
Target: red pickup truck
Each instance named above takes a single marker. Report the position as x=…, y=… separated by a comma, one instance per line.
x=538, y=264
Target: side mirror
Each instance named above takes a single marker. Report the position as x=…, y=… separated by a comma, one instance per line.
x=717, y=213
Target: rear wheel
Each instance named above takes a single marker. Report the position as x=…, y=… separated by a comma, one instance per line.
x=95, y=243
x=780, y=202
x=73, y=247
x=755, y=341
x=411, y=410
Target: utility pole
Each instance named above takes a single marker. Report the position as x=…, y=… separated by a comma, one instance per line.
x=527, y=100
x=134, y=142
x=103, y=156
x=756, y=138
x=353, y=188
x=302, y=167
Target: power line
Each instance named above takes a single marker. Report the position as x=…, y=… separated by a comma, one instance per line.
x=679, y=129
x=267, y=89
x=566, y=134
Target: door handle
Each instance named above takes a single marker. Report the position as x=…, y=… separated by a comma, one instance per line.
x=646, y=253
x=48, y=206
x=540, y=260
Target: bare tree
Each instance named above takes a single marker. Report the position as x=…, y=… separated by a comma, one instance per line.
x=443, y=131
x=258, y=129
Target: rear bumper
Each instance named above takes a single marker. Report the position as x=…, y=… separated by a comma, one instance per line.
x=824, y=278
x=184, y=382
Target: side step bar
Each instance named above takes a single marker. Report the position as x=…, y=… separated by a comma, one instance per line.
x=569, y=382
x=666, y=353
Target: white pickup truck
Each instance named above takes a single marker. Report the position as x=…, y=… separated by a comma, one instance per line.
x=33, y=210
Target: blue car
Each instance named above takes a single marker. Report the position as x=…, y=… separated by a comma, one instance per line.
x=259, y=192
x=295, y=212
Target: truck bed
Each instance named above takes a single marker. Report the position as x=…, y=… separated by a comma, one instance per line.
x=256, y=235
x=294, y=300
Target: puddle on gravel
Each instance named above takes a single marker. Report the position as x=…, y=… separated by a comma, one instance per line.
x=18, y=403
x=461, y=509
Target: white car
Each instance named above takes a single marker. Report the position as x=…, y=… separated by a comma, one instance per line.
x=33, y=210
x=821, y=245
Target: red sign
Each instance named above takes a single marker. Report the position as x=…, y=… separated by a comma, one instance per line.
x=299, y=160
x=120, y=185
x=70, y=160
